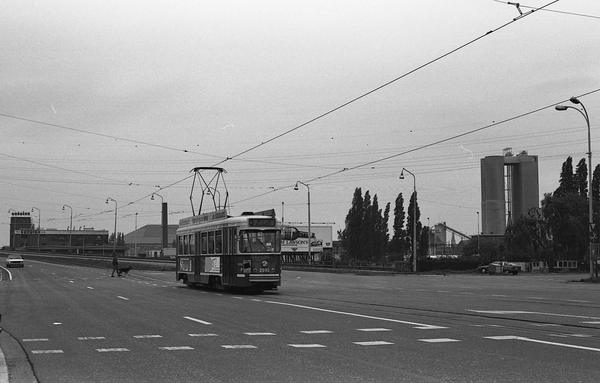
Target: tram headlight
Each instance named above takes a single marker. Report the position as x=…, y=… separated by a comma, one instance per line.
x=265, y=263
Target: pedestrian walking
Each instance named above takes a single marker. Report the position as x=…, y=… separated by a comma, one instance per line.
x=115, y=264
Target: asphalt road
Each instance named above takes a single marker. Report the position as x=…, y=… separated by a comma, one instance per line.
x=77, y=324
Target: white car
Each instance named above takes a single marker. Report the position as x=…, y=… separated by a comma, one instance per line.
x=14, y=260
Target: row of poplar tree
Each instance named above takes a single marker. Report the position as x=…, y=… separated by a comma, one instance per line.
x=366, y=235
x=560, y=228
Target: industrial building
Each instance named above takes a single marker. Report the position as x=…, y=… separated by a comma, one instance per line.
x=147, y=241
x=509, y=189
x=25, y=236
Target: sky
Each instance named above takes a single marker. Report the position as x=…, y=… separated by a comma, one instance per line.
x=122, y=99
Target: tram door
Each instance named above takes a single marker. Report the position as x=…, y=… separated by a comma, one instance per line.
x=230, y=267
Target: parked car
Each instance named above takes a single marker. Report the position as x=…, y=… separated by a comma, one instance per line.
x=14, y=260
x=499, y=267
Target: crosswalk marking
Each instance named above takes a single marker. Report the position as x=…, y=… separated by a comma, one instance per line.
x=373, y=343
x=259, y=333
x=439, y=340
x=119, y=349
x=200, y=335
x=176, y=348
x=47, y=352
x=314, y=345
x=234, y=346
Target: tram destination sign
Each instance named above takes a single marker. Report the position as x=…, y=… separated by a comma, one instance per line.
x=261, y=222
x=202, y=218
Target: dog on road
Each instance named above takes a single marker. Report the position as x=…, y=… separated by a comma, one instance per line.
x=122, y=271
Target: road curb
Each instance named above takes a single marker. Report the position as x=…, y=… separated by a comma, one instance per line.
x=14, y=363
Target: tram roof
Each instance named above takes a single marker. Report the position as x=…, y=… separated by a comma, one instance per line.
x=221, y=215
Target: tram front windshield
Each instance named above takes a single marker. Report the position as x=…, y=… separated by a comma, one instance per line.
x=260, y=241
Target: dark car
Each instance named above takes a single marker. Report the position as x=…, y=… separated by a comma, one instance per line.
x=500, y=267
x=14, y=260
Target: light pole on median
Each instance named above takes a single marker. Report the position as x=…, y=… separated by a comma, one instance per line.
x=585, y=115
x=309, y=231
x=39, y=226
x=115, y=238
x=70, y=226
x=13, y=226
x=414, y=216
x=478, y=236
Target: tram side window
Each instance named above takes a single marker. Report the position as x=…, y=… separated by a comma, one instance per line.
x=204, y=243
x=219, y=242
x=185, y=245
x=180, y=244
x=211, y=242
x=192, y=244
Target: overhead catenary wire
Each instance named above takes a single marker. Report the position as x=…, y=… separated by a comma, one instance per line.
x=236, y=156
x=370, y=163
x=383, y=85
x=549, y=10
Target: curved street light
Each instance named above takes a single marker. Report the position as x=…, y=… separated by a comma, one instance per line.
x=414, y=216
x=309, y=231
x=115, y=238
x=70, y=227
x=585, y=115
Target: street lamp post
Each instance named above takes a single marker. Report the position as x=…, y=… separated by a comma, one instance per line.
x=13, y=226
x=115, y=238
x=39, y=226
x=478, y=237
x=414, y=216
x=70, y=226
x=135, y=254
x=585, y=115
x=309, y=231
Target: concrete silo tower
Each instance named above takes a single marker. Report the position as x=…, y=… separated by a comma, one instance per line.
x=509, y=189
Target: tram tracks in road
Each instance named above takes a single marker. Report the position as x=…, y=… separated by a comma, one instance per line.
x=542, y=322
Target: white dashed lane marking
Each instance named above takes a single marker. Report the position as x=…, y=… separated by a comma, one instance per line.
x=176, y=348
x=201, y=335
x=439, y=340
x=47, y=352
x=520, y=338
x=235, y=346
x=147, y=336
x=259, y=333
x=373, y=343
x=197, y=320
x=112, y=350
x=306, y=345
